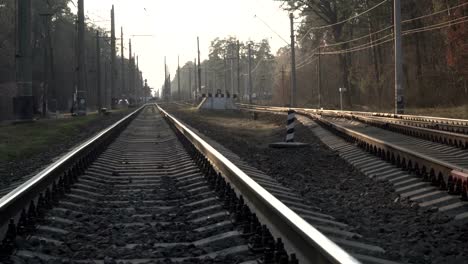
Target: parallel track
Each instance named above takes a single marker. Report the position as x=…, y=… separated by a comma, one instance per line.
x=154, y=193
x=438, y=163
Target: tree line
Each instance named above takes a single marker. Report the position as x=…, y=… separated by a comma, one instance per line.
x=356, y=52
x=54, y=38
x=349, y=44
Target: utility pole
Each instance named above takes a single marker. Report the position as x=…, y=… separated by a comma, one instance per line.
x=213, y=87
x=199, y=68
x=48, y=65
x=131, y=75
x=45, y=83
x=232, y=72
x=169, y=87
x=138, y=82
x=225, y=75
x=206, y=80
x=238, y=69
x=319, y=80
x=82, y=91
x=190, y=82
x=178, y=79
x=23, y=103
x=196, y=78
x=107, y=88
x=114, y=93
x=293, y=63
x=250, y=73
x=122, y=69
x=164, y=95
x=98, y=70
x=282, y=83
x=399, y=91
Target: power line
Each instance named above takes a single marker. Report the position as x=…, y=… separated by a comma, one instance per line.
x=359, y=38
x=361, y=47
x=255, y=16
x=308, y=57
x=343, y=21
x=435, y=13
x=440, y=25
x=387, y=28
x=305, y=64
x=405, y=33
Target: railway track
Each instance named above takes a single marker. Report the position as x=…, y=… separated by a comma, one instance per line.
x=432, y=172
x=149, y=190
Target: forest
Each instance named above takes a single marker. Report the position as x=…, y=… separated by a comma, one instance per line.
x=54, y=37
x=356, y=52
x=339, y=44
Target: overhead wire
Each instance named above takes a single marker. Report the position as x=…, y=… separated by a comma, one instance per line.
x=343, y=21
x=308, y=59
x=433, y=14
x=305, y=64
x=440, y=25
x=359, y=38
x=382, y=41
x=384, y=29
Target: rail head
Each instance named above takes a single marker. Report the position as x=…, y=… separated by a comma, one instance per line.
x=13, y=203
x=433, y=119
x=300, y=237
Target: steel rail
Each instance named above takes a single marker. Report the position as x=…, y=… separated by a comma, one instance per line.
x=438, y=136
x=446, y=137
x=299, y=237
x=431, y=119
x=16, y=202
x=447, y=175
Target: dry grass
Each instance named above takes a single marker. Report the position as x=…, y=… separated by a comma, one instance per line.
x=459, y=112
x=244, y=125
x=27, y=139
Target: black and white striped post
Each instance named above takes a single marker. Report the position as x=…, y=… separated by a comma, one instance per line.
x=290, y=126
x=289, y=142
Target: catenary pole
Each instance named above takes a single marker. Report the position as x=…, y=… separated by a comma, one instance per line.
x=138, y=81
x=98, y=71
x=238, y=69
x=293, y=63
x=399, y=92
x=82, y=91
x=24, y=100
x=130, y=72
x=282, y=82
x=178, y=79
x=199, y=68
x=232, y=72
x=113, y=71
x=122, y=65
x=206, y=79
x=250, y=73
x=319, y=79
x=165, y=80
x=196, y=78
x=225, y=75
x=190, y=82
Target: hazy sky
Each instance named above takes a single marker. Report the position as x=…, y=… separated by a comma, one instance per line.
x=175, y=24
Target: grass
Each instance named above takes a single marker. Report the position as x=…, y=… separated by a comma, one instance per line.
x=458, y=112
x=241, y=122
x=27, y=139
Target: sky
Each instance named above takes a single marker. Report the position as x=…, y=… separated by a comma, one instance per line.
x=175, y=24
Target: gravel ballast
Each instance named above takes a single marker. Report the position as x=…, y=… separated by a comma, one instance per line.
x=408, y=233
